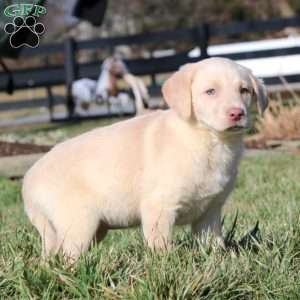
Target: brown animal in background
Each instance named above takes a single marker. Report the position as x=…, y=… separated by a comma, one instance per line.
x=114, y=68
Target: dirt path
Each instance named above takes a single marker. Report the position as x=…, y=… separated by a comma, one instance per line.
x=10, y=149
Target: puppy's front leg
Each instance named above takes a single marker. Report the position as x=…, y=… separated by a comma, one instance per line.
x=209, y=222
x=157, y=225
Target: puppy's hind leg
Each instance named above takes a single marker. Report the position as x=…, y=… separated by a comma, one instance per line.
x=75, y=234
x=45, y=229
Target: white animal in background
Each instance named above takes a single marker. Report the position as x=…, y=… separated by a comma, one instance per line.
x=84, y=93
x=166, y=168
x=140, y=94
x=87, y=91
x=112, y=68
x=104, y=82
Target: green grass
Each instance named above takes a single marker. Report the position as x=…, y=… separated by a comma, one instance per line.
x=268, y=190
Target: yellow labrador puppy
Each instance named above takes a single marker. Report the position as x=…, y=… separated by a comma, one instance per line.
x=166, y=168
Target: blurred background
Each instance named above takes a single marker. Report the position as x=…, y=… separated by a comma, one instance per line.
x=98, y=61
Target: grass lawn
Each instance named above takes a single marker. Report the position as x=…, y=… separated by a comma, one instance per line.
x=268, y=190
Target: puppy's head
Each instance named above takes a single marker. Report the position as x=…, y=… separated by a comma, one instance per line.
x=217, y=92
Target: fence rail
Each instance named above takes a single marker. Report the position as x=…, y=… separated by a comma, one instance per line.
x=189, y=34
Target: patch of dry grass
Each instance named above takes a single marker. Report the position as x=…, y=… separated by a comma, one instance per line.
x=280, y=125
x=280, y=122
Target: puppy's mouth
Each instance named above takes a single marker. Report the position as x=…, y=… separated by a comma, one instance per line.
x=236, y=128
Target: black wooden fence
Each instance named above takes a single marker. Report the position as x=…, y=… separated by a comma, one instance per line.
x=52, y=75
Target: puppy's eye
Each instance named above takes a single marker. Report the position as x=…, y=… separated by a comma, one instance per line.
x=210, y=92
x=244, y=90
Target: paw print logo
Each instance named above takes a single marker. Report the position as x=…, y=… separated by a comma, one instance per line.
x=24, y=32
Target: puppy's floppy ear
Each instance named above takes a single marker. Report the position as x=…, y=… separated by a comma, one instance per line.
x=177, y=90
x=260, y=92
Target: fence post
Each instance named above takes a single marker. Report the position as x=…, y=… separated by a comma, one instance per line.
x=153, y=77
x=51, y=102
x=50, y=96
x=70, y=73
x=202, y=39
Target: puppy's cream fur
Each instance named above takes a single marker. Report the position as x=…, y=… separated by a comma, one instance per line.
x=165, y=168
